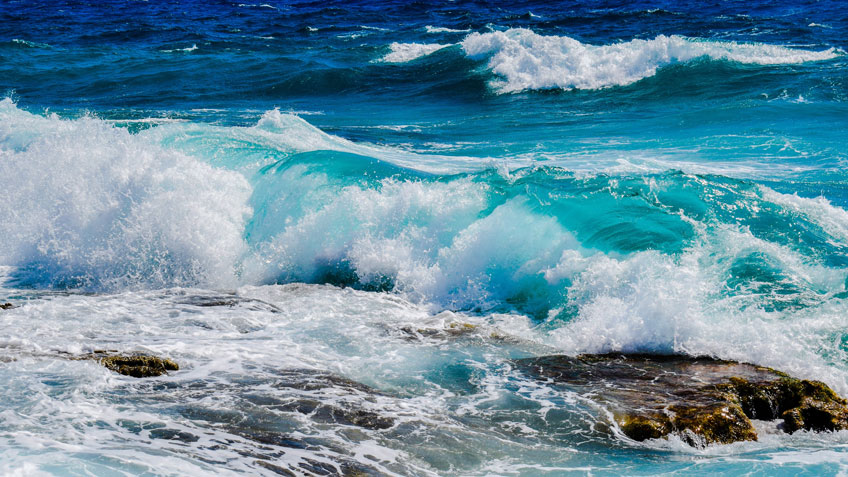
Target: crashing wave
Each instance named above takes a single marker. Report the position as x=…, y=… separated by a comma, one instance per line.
x=91, y=205
x=525, y=60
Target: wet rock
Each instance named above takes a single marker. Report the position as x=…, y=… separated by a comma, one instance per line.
x=136, y=365
x=453, y=329
x=331, y=414
x=275, y=468
x=6, y=306
x=173, y=435
x=344, y=411
x=280, y=421
x=700, y=399
x=224, y=300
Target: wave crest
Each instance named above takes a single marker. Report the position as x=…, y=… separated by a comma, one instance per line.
x=526, y=60
x=96, y=207
x=404, y=52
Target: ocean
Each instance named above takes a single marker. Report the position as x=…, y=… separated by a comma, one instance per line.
x=346, y=221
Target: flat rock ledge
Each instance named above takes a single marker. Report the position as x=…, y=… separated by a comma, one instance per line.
x=135, y=365
x=700, y=399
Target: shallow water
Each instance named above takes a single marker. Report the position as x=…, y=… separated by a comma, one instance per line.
x=346, y=221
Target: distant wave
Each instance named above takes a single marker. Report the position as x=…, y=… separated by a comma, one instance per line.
x=432, y=29
x=189, y=49
x=525, y=60
x=403, y=52
x=29, y=44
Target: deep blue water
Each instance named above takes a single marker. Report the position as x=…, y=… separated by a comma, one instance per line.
x=587, y=177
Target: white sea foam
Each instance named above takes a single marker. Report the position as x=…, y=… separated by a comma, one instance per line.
x=485, y=260
x=188, y=49
x=526, y=60
x=654, y=302
x=30, y=44
x=94, y=203
x=432, y=29
x=446, y=379
x=86, y=408
x=95, y=206
x=405, y=52
x=254, y=5
x=832, y=219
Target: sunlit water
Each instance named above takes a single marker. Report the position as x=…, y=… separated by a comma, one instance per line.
x=346, y=221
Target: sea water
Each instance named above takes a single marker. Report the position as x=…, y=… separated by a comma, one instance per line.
x=378, y=206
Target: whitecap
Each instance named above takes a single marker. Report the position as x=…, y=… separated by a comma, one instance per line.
x=432, y=29
x=189, y=49
x=404, y=52
x=526, y=60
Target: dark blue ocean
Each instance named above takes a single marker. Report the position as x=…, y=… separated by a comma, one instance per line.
x=395, y=200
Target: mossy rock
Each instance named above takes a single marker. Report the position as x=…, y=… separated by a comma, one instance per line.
x=644, y=427
x=718, y=423
x=700, y=399
x=136, y=365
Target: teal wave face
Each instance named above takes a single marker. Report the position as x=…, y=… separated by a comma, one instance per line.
x=483, y=241
x=289, y=203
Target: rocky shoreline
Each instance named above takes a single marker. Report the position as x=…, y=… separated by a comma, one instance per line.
x=702, y=400
x=699, y=399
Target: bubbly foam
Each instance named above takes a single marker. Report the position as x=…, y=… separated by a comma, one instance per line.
x=444, y=379
x=94, y=206
x=527, y=60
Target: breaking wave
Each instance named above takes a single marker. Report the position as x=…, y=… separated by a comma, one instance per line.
x=90, y=205
x=524, y=60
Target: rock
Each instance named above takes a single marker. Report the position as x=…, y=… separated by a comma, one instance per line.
x=700, y=399
x=454, y=329
x=137, y=365
x=224, y=300
x=6, y=306
x=316, y=384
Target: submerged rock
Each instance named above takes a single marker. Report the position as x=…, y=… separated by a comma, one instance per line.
x=137, y=365
x=700, y=399
x=305, y=391
x=453, y=329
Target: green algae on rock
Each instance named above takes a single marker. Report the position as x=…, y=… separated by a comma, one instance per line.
x=700, y=399
x=135, y=365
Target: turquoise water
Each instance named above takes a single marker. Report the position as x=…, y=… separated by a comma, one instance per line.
x=360, y=181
